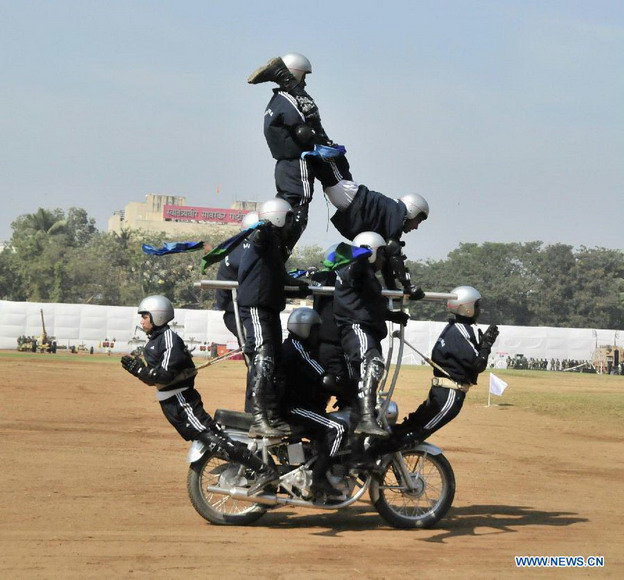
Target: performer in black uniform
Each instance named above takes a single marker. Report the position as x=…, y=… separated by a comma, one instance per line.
x=261, y=297
x=170, y=368
x=372, y=211
x=459, y=356
x=361, y=311
x=228, y=271
x=308, y=389
x=331, y=355
x=292, y=127
x=290, y=130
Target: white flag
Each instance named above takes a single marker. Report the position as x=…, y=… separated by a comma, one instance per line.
x=497, y=386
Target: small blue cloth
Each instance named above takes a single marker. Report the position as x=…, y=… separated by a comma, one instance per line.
x=173, y=248
x=325, y=151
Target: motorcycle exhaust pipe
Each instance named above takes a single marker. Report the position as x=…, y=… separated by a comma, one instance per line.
x=271, y=499
x=265, y=499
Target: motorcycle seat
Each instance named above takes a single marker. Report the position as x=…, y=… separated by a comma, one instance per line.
x=242, y=421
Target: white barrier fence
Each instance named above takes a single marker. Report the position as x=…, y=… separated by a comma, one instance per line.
x=92, y=326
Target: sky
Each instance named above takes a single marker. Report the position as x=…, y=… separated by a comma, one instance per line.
x=507, y=116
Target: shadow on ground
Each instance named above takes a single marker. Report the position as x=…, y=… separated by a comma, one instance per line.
x=462, y=521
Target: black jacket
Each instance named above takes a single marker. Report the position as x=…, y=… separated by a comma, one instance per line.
x=281, y=118
x=371, y=211
x=228, y=271
x=459, y=352
x=324, y=305
x=168, y=360
x=358, y=298
x=261, y=272
x=304, y=377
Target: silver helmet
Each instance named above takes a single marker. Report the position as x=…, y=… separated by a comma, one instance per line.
x=249, y=220
x=276, y=211
x=159, y=308
x=465, y=303
x=371, y=240
x=415, y=204
x=301, y=321
x=297, y=64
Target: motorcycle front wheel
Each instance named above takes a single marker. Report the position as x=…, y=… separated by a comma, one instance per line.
x=214, y=471
x=433, y=490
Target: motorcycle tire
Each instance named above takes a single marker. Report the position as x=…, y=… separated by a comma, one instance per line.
x=211, y=470
x=434, y=482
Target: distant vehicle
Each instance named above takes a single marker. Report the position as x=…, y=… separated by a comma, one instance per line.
x=42, y=343
x=520, y=362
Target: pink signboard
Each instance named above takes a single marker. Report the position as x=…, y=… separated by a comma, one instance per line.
x=185, y=213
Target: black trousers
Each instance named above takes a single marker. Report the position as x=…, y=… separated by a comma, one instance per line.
x=359, y=345
x=263, y=333
x=185, y=411
x=229, y=319
x=294, y=178
x=441, y=407
x=333, y=359
x=329, y=432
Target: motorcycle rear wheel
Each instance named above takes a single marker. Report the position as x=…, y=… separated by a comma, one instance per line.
x=434, y=483
x=214, y=471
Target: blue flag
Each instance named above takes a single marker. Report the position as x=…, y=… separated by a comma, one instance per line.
x=343, y=254
x=325, y=151
x=173, y=248
x=224, y=248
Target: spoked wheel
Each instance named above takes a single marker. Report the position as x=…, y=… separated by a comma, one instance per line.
x=214, y=471
x=433, y=490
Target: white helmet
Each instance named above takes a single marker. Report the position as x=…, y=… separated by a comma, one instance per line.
x=297, y=64
x=249, y=220
x=371, y=240
x=464, y=304
x=301, y=321
x=159, y=308
x=275, y=211
x=415, y=204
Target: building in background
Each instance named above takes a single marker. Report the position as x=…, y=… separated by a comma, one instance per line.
x=170, y=214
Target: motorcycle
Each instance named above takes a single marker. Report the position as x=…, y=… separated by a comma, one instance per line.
x=410, y=488
x=413, y=487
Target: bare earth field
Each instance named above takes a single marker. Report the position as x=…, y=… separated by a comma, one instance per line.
x=93, y=484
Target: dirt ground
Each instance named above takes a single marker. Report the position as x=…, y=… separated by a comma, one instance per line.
x=93, y=485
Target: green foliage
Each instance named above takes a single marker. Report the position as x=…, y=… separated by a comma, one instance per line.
x=60, y=256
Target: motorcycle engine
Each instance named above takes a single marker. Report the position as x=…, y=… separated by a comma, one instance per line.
x=298, y=482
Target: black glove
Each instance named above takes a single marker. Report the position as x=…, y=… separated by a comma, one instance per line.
x=304, y=291
x=398, y=317
x=302, y=288
x=489, y=336
x=135, y=366
x=415, y=293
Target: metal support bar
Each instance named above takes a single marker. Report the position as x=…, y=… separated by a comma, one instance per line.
x=230, y=285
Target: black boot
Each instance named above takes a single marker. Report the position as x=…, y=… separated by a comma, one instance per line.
x=361, y=459
x=320, y=484
x=367, y=398
x=236, y=451
x=261, y=426
x=261, y=376
x=265, y=474
x=277, y=72
x=274, y=71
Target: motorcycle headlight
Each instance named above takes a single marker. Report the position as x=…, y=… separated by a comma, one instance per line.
x=392, y=413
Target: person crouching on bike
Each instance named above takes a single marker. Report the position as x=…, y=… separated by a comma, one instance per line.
x=459, y=356
x=169, y=367
x=307, y=391
x=361, y=312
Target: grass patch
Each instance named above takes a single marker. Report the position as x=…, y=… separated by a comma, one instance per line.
x=577, y=396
